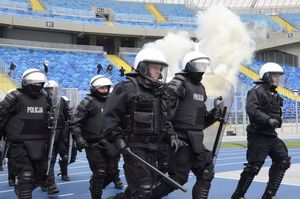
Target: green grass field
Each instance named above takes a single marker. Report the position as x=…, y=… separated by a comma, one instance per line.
x=290, y=144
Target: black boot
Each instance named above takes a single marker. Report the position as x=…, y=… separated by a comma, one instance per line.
x=11, y=182
x=119, y=185
x=243, y=185
x=64, y=170
x=52, y=188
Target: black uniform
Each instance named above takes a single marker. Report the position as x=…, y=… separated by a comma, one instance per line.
x=87, y=123
x=137, y=113
x=190, y=117
x=61, y=145
x=24, y=123
x=263, y=104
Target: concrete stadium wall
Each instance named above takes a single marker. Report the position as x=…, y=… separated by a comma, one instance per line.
x=37, y=35
x=83, y=28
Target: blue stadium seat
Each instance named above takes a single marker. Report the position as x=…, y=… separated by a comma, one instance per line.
x=292, y=18
x=71, y=69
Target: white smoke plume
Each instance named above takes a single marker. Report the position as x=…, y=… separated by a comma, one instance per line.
x=174, y=47
x=223, y=37
x=226, y=40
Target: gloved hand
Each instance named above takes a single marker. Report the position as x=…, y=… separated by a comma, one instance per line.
x=176, y=143
x=217, y=113
x=274, y=123
x=81, y=143
x=121, y=144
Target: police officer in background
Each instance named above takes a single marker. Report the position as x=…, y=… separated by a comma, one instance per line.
x=190, y=118
x=23, y=119
x=61, y=141
x=264, y=108
x=136, y=116
x=86, y=129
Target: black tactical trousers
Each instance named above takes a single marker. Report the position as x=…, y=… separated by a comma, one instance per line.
x=30, y=172
x=181, y=163
x=139, y=177
x=104, y=168
x=259, y=147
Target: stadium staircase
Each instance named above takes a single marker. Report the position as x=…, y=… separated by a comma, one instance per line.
x=6, y=83
x=119, y=62
x=282, y=90
x=154, y=11
x=37, y=6
x=284, y=24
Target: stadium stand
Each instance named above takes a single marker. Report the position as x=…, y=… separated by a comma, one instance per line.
x=71, y=69
x=292, y=18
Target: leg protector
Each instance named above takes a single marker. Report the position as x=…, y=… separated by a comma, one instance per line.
x=25, y=185
x=276, y=173
x=247, y=176
x=96, y=183
x=203, y=183
x=162, y=189
x=145, y=191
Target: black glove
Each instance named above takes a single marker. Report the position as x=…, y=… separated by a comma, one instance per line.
x=81, y=143
x=176, y=143
x=121, y=144
x=274, y=123
x=217, y=113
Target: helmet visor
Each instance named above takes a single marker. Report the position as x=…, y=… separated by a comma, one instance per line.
x=278, y=79
x=155, y=71
x=201, y=65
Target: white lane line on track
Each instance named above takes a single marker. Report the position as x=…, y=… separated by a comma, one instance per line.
x=225, y=164
x=289, y=184
x=230, y=154
x=64, y=195
x=244, y=156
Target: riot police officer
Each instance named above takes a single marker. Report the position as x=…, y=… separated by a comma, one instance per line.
x=86, y=129
x=60, y=142
x=23, y=119
x=190, y=117
x=136, y=117
x=264, y=108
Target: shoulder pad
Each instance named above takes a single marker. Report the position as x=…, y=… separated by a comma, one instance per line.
x=11, y=98
x=13, y=95
x=87, y=100
x=176, y=84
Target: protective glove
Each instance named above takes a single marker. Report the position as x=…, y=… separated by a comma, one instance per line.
x=121, y=144
x=176, y=143
x=217, y=113
x=81, y=143
x=274, y=123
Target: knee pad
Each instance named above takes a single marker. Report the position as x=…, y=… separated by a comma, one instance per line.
x=99, y=173
x=283, y=164
x=207, y=174
x=26, y=177
x=253, y=168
